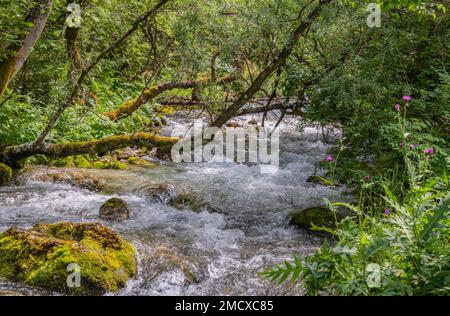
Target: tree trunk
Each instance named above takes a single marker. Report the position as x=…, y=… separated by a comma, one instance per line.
x=130, y=106
x=11, y=66
x=278, y=61
x=13, y=154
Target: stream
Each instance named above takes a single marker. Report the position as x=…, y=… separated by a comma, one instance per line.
x=182, y=252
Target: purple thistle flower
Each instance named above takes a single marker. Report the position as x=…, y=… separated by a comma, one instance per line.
x=402, y=144
x=367, y=178
x=397, y=107
x=387, y=211
x=429, y=151
x=407, y=98
x=329, y=158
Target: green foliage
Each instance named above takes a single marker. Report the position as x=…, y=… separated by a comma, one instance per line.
x=399, y=247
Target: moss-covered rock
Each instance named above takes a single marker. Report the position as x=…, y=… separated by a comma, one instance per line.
x=5, y=174
x=40, y=256
x=115, y=209
x=140, y=162
x=317, y=216
x=116, y=165
x=81, y=162
x=189, y=201
x=64, y=162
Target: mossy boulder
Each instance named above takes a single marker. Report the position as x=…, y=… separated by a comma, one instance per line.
x=40, y=256
x=116, y=165
x=5, y=174
x=140, y=162
x=317, y=216
x=64, y=162
x=115, y=210
x=81, y=162
x=189, y=201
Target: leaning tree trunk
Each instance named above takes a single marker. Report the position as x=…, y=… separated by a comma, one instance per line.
x=11, y=66
x=12, y=155
x=276, y=63
x=131, y=106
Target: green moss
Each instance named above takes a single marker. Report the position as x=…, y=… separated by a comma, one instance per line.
x=81, y=162
x=5, y=174
x=317, y=216
x=99, y=165
x=109, y=165
x=190, y=201
x=140, y=162
x=40, y=257
x=64, y=162
x=117, y=165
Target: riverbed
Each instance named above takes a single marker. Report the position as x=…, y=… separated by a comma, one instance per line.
x=216, y=251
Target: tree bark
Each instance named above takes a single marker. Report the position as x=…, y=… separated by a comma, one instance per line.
x=13, y=154
x=130, y=106
x=11, y=66
x=277, y=62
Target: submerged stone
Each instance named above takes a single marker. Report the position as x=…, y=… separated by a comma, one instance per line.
x=5, y=174
x=80, y=179
x=189, y=201
x=115, y=209
x=164, y=193
x=165, y=260
x=41, y=256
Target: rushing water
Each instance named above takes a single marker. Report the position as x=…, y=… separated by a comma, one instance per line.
x=223, y=250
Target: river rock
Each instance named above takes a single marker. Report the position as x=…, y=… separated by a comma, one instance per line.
x=4, y=293
x=164, y=193
x=115, y=210
x=318, y=216
x=234, y=124
x=163, y=259
x=190, y=201
x=5, y=174
x=126, y=153
x=79, y=179
x=41, y=256
x=140, y=162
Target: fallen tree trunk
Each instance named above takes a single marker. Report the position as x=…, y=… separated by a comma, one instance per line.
x=131, y=106
x=13, y=154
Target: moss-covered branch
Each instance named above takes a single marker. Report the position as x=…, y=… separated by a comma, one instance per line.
x=130, y=106
x=12, y=154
